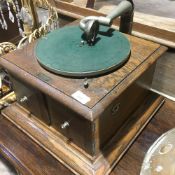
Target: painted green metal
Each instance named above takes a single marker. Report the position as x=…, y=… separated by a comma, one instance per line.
x=62, y=52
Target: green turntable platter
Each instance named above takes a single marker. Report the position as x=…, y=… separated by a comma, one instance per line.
x=62, y=52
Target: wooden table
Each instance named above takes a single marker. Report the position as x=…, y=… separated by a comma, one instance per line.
x=14, y=140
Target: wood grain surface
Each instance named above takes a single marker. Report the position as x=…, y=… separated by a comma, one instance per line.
x=25, y=154
x=163, y=121
x=66, y=152
x=98, y=87
x=102, y=91
x=130, y=164
x=163, y=23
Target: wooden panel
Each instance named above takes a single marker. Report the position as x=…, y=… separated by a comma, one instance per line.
x=163, y=121
x=99, y=87
x=75, y=159
x=127, y=102
x=157, y=126
x=129, y=164
x=108, y=123
x=27, y=156
x=78, y=131
x=31, y=99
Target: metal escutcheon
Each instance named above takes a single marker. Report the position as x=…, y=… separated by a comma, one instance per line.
x=115, y=108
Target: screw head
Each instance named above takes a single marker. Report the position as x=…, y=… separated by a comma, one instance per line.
x=65, y=125
x=23, y=99
x=86, y=84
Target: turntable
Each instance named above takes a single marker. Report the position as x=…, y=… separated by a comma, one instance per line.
x=84, y=96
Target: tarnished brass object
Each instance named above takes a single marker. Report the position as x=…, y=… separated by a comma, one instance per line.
x=7, y=100
x=6, y=47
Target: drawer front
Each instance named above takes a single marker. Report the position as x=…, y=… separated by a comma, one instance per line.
x=32, y=100
x=121, y=109
x=74, y=127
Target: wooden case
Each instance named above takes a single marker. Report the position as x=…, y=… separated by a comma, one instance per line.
x=89, y=137
x=92, y=136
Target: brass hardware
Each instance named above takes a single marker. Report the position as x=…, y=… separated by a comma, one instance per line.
x=6, y=47
x=86, y=84
x=23, y=99
x=7, y=100
x=65, y=125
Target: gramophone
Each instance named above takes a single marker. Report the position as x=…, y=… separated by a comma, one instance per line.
x=84, y=91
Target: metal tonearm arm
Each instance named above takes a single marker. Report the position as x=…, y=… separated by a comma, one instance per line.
x=90, y=24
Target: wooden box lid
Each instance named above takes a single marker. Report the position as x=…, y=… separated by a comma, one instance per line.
x=101, y=91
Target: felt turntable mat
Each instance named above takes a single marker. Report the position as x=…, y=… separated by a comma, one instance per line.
x=62, y=52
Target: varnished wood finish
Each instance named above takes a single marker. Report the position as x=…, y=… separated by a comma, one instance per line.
x=31, y=99
x=142, y=56
x=130, y=163
x=107, y=124
x=163, y=121
x=72, y=158
x=120, y=110
x=60, y=114
x=25, y=155
x=104, y=92
x=86, y=148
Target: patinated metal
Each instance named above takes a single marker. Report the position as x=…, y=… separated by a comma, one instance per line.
x=90, y=24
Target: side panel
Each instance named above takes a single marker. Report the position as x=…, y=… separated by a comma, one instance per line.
x=31, y=99
x=121, y=109
x=74, y=127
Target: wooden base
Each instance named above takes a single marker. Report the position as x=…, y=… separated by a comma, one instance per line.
x=77, y=161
